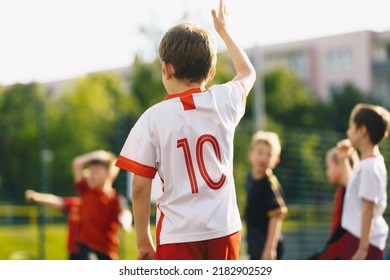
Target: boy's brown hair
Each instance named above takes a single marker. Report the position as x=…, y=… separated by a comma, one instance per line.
x=191, y=50
x=375, y=118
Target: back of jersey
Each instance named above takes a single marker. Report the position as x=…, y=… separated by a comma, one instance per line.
x=188, y=139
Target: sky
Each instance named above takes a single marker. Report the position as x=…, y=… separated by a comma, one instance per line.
x=50, y=40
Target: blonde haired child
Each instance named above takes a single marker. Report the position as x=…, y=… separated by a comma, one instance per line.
x=265, y=207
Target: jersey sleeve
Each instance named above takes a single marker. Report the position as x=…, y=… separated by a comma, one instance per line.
x=369, y=188
x=233, y=96
x=138, y=154
x=70, y=202
x=275, y=203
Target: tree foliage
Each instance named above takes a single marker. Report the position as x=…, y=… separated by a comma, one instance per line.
x=146, y=83
x=88, y=118
x=20, y=109
x=99, y=111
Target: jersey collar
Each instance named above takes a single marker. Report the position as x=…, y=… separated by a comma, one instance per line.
x=186, y=93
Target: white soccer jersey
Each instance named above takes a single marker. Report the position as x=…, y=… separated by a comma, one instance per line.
x=188, y=139
x=369, y=182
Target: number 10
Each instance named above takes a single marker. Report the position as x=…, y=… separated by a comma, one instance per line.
x=183, y=143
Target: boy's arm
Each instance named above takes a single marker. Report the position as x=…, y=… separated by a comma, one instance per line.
x=79, y=163
x=367, y=215
x=44, y=198
x=141, y=192
x=246, y=73
x=125, y=216
x=273, y=236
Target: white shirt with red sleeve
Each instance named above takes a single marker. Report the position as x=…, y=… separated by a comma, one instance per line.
x=188, y=140
x=368, y=182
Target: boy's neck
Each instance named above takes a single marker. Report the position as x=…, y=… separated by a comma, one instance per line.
x=259, y=174
x=106, y=188
x=175, y=87
x=369, y=151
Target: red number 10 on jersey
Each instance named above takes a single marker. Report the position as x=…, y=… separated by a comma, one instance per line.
x=183, y=143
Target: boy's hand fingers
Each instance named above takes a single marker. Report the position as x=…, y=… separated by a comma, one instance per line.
x=222, y=8
x=214, y=14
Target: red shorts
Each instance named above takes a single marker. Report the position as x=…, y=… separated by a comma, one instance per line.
x=351, y=244
x=222, y=248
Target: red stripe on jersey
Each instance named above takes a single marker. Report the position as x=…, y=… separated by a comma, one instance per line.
x=188, y=102
x=136, y=167
x=159, y=226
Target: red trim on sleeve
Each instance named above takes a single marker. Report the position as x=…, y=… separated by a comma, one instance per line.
x=136, y=167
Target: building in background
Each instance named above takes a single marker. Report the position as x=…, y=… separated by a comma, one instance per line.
x=325, y=64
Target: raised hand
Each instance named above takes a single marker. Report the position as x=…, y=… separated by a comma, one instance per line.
x=345, y=149
x=219, y=19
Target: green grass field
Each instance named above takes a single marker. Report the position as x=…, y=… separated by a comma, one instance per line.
x=20, y=241
x=23, y=241
x=305, y=230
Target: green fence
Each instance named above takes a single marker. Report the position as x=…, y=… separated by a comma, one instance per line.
x=309, y=196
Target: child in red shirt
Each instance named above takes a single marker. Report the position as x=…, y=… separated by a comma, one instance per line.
x=102, y=207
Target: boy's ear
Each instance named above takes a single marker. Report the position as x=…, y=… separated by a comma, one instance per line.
x=168, y=70
x=363, y=130
x=211, y=75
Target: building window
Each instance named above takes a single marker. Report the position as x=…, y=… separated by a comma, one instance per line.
x=382, y=89
x=381, y=54
x=299, y=63
x=340, y=59
x=335, y=89
x=388, y=53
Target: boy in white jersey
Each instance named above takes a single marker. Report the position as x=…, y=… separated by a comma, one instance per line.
x=188, y=140
x=366, y=197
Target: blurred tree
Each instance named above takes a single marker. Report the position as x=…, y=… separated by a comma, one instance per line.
x=96, y=114
x=342, y=103
x=146, y=85
x=224, y=70
x=19, y=156
x=287, y=100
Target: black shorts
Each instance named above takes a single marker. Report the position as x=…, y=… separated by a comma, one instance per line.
x=87, y=253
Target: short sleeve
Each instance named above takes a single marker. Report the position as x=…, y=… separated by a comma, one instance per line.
x=138, y=154
x=70, y=202
x=275, y=199
x=370, y=187
x=233, y=96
